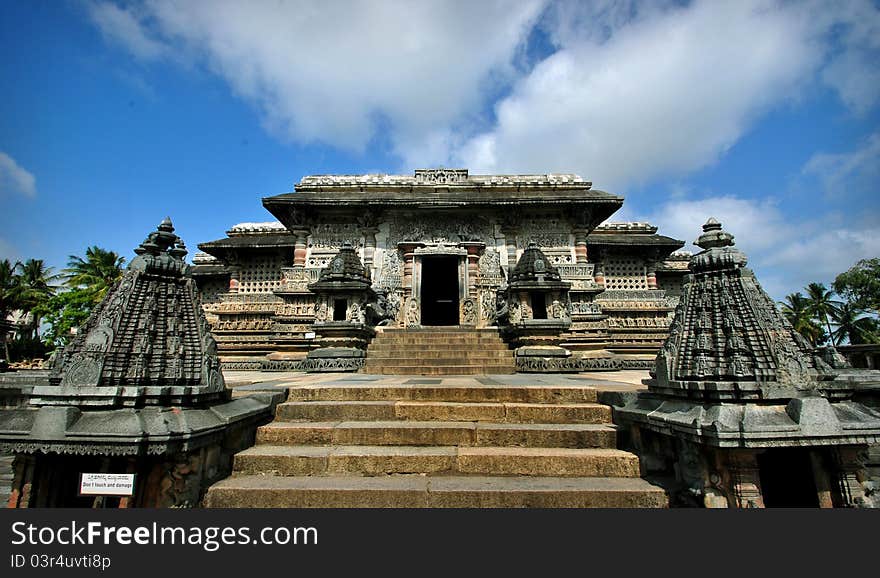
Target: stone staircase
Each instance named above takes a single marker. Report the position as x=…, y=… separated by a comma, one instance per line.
x=439, y=351
x=418, y=445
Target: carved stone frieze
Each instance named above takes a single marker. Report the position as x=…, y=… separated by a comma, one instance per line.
x=441, y=229
x=391, y=273
x=468, y=313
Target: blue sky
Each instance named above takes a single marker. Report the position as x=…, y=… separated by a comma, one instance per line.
x=762, y=114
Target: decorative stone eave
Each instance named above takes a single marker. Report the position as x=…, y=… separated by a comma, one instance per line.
x=800, y=422
x=229, y=249
x=127, y=432
x=327, y=197
x=655, y=247
x=441, y=178
x=209, y=271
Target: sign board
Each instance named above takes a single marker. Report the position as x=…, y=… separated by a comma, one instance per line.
x=310, y=335
x=106, y=484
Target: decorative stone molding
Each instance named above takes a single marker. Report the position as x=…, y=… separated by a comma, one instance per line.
x=440, y=176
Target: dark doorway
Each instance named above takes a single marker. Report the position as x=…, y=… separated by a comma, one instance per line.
x=539, y=306
x=440, y=290
x=787, y=479
x=340, y=309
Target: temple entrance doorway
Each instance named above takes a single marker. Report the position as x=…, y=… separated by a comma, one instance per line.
x=787, y=479
x=439, y=290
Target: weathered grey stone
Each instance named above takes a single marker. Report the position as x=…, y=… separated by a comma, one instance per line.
x=141, y=381
x=734, y=380
x=814, y=415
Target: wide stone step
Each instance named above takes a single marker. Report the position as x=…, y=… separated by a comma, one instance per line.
x=378, y=368
x=438, y=433
x=381, y=460
x=438, y=340
x=473, y=358
x=439, y=350
x=416, y=491
x=498, y=412
x=460, y=393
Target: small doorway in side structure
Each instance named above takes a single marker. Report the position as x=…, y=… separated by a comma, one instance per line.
x=787, y=479
x=539, y=306
x=439, y=290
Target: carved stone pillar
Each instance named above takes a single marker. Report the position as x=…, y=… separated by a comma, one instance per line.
x=474, y=249
x=408, y=250
x=599, y=273
x=510, y=242
x=22, y=482
x=580, y=246
x=234, y=274
x=652, y=275
x=745, y=480
x=300, y=247
x=822, y=479
x=369, y=234
x=849, y=465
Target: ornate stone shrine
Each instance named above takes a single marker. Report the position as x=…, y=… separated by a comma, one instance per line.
x=535, y=311
x=138, y=390
x=740, y=410
x=344, y=300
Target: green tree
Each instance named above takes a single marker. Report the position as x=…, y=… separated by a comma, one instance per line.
x=796, y=308
x=35, y=288
x=88, y=280
x=64, y=312
x=822, y=305
x=854, y=325
x=861, y=284
x=96, y=273
x=9, y=297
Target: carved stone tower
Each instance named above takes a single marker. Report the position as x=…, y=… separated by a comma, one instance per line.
x=138, y=391
x=742, y=407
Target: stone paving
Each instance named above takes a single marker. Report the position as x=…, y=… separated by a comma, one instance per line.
x=244, y=382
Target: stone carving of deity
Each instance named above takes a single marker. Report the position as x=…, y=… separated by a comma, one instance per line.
x=356, y=313
x=468, y=312
x=413, y=316
x=514, y=312
x=321, y=312
x=701, y=368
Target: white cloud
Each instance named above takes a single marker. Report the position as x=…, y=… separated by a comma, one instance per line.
x=848, y=173
x=852, y=69
x=666, y=93
x=15, y=179
x=632, y=90
x=331, y=71
x=786, y=254
x=123, y=26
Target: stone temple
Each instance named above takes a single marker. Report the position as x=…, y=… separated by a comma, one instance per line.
x=438, y=249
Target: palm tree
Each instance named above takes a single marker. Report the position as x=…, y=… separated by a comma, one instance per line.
x=822, y=304
x=9, y=297
x=796, y=308
x=854, y=325
x=35, y=289
x=97, y=272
